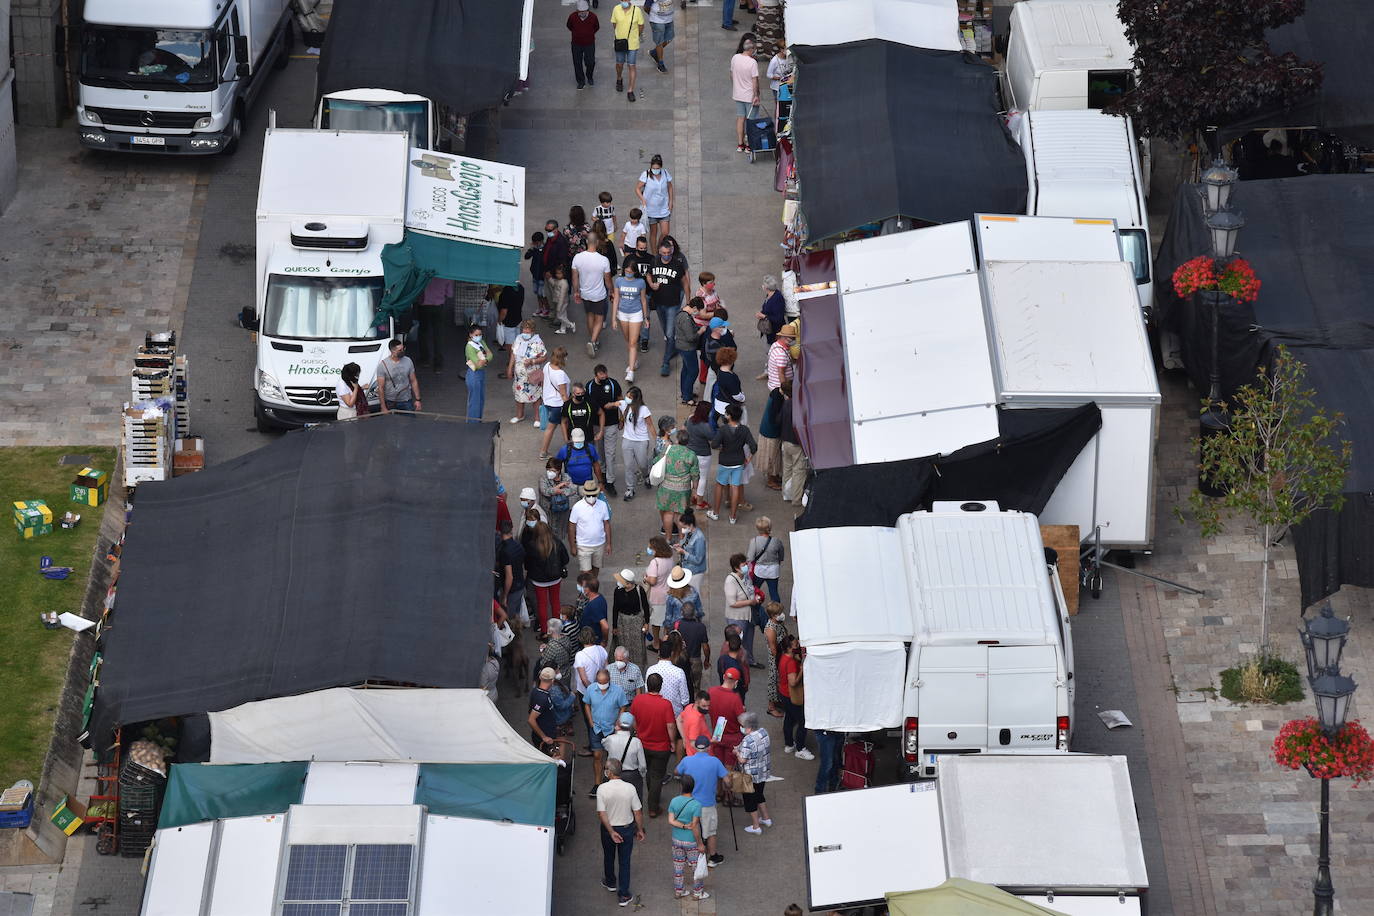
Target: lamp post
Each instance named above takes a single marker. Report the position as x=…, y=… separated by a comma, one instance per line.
x=1223, y=227
x=1217, y=182
x=1323, y=640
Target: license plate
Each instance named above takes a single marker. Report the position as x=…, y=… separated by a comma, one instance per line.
x=148, y=141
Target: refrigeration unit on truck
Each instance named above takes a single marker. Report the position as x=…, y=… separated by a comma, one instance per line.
x=163, y=77
x=950, y=626
x=1059, y=831
x=1087, y=163
x=328, y=201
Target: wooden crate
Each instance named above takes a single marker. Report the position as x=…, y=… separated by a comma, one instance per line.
x=1064, y=539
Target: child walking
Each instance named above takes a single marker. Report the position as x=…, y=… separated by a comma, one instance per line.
x=535, y=255
x=557, y=291
x=604, y=213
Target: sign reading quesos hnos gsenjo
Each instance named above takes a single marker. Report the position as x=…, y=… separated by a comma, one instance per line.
x=466, y=198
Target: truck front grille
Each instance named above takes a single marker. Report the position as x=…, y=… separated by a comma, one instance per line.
x=123, y=117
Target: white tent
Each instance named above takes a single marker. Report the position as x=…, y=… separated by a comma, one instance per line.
x=930, y=24
x=380, y=724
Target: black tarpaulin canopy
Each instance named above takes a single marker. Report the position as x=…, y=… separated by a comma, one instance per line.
x=1338, y=34
x=465, y=54
x=885, y=130
x=1311, y=242
x=352, y=552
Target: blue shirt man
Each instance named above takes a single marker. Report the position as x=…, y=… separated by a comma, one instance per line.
x=605, y=701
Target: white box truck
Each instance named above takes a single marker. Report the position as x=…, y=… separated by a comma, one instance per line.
x=1087, y=163
x=327, y=203
x=1059, y=831
x=1066, y=54
x=431, y=126
x=950, y=626
x=178, y=77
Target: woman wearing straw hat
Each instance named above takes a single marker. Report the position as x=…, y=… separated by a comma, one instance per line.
x=630, y=616
x=681, y=591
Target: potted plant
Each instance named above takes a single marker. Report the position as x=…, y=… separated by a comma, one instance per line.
x=1349, y=753
x=1234, y=277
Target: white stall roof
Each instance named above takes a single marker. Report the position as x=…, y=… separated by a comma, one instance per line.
x=912, y=319
x=861, y=845
x=1045, y=238
x=850, y=584
x=855, y=686
x=464, y=861
x=920, y=23
x=303, y=172
x=360, y=783
x=1055, y=822
x=1068, y=329
x=978, y=573
x=1108, y=905
x=236, y=859
x=345, y=723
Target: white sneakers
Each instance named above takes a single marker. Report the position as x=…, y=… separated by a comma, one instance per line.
x=804, y=754
x=787, y=748
x=754, y=830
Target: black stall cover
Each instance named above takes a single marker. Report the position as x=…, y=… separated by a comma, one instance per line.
x=1019, y=470
x=1338, y=35
x=884, y=130
x=462, y=53
x=1311, y=242
x=341, y=554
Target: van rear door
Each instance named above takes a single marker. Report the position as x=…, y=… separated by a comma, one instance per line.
x=1022, y=697
x=953, y=706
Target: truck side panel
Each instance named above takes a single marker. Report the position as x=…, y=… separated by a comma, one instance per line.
x=259, y=24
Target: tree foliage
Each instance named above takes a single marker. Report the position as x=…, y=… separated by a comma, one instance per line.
x=1202, y=63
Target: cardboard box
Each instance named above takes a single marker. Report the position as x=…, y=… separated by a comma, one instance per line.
x=32, y=517
x=69, y=815
x=91, y=487
x=35, y=532
x=188, y=455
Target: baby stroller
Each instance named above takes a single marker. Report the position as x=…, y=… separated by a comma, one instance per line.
x=564, y=815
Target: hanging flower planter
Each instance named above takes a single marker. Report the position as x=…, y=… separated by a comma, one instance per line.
x=1236, y=278
x=1301, y=743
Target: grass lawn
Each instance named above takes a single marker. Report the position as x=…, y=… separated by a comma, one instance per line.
x=33, y=660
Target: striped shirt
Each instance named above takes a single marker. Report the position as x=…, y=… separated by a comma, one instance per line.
x=779, y=363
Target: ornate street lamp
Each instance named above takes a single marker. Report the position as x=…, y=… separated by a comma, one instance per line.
x=1217, y=182
x=1224, y=226
x=1323, y=639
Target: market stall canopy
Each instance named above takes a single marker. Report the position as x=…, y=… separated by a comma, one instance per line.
x=930, y=24
x=465, y=221
x=338, y=555
x=381, y=724
x=465, y=54
x=1311, y=243
x=1336, y=34
x=870, y=147
x=959, y=897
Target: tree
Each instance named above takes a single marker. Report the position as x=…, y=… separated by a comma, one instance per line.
x=1202, y=63
x=1279, y=460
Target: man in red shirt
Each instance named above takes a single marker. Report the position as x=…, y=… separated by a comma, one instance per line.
x=726, y=703
x=657, y=730
x=584, y=25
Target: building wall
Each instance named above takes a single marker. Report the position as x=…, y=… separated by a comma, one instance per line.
x=39, y=83
x=9, y=166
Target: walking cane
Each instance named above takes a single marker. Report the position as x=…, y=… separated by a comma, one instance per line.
x=730, y=803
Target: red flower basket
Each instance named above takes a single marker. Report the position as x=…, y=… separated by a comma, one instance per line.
x=1236, y=278
x=1350, y=754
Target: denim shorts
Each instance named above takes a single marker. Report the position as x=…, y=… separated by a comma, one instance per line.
x=595, y=743
x=627, y=57
x=730, y=476
x=663, y=32
x=742, y=109
x=550, y=416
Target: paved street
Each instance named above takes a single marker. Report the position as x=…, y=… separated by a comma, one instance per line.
x=100, y=248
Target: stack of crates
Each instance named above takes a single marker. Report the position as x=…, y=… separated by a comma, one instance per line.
x=160, y=372
x=159, y=411
x=32, y=518
x=181, y=369
x=140, y=800
x=147, y=442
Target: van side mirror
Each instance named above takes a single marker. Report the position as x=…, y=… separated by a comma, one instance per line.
x=248, y=318
x=241, y=49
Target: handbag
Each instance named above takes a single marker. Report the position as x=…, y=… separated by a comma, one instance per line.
x=658, y=470
x=622, y=44
x=741, y=783
x=501, y=636
x=536, y=375
x=765, y=326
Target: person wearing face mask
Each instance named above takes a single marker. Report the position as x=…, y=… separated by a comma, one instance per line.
x=634, y=433
x=744, y=84
x=556, y=495
x=667, y=281
x=589, y=529
x=527, y=357
x=478, y=356
x=510, y=574
x=692, y=548
x=681, y=470
x=627, y=24
x=626, y=673
x=583, y=25
x=579, y=414
x=529, y=499
x=630, y=617
x=627, y=310
x=546, y=565
x=605, y=393
x=655, y=190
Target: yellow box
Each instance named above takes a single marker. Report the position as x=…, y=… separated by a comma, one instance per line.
x=91, y=487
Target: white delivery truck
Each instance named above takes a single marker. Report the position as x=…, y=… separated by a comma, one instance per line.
x=950, y=626
x=1066, y=54
x=328, y=201
x=384, y=109
x=175, y=77
x=1059, y=831
x=1087, y=163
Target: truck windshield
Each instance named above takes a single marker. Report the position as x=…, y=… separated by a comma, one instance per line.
x=322, y=308
x=1137, y=252
x=352, y=114
x=164, y=58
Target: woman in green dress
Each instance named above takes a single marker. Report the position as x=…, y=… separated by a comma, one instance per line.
x=680, y=472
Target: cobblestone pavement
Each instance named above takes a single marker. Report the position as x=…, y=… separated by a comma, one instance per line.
x=92, y=253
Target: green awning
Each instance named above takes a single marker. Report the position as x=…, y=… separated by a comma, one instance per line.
x=206, y=792
x=519, y=792
x=410, y=264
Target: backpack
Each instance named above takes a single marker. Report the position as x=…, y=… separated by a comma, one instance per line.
x=558, y=502
x=857, y=770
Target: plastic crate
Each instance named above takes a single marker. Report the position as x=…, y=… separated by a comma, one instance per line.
x=20, y=818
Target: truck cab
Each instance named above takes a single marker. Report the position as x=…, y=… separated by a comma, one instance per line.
x=1066, y=54
x=431, y=126
x=320, y=278
x=174, y=78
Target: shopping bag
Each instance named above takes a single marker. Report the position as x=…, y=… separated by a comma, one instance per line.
x=703, y=865
x=658, y=470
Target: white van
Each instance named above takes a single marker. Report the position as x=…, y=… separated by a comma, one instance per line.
x=1087, y=164
x=328, y=201
x=950, y=626
x=1066, y=54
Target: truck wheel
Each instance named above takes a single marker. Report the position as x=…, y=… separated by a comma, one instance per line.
x=235, y=132
x=261, y=421
x=288, y=41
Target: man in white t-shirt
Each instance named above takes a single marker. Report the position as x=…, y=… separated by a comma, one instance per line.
x=590, y=659
x=589, y=529
x=591, y=282
x=661, y=23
